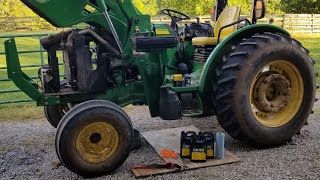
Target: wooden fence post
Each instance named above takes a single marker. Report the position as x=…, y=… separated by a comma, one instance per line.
x=6, y=21
x=312, y=23
x=291, y=23
x=31, y=24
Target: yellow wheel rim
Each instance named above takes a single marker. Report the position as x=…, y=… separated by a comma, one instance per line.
x=276, y=93
x=97, y=142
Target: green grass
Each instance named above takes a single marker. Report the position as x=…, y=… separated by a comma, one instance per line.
x=20, y=112
x=313, y=45
x=30, y=111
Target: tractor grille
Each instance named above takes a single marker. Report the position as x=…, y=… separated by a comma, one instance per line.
x=202, y=53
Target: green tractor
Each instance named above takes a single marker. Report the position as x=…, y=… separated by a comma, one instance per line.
x=257, y=80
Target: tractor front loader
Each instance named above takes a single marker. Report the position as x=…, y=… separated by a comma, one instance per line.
x=258, y=80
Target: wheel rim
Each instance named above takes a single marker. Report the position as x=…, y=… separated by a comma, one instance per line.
x=97, y=142
x=276, y=93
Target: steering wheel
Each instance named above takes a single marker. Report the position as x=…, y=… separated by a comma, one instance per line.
x=180, y=18
x=174, y=18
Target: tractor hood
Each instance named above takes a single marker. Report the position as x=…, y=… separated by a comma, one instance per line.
x=59, y=13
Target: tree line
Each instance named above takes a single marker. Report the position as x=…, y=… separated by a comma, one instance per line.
x=10, y=8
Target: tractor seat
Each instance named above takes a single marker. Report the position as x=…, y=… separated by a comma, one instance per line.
x=229, y=15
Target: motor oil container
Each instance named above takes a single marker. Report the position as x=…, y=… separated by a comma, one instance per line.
x=178, y=80
x=186, y=143
x=198, y=148
x=210, y=138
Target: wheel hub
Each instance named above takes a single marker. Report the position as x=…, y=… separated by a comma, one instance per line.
x=95, y=138
x=276, y=93
x=97, y=142
x=272, y=92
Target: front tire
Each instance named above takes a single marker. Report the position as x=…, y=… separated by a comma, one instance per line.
x=265, y=89
x=94, y=138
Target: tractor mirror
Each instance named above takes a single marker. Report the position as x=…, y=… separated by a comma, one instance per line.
x=213, y=13
x=259, y=9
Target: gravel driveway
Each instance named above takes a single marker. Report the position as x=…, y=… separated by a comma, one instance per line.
x=27, y=152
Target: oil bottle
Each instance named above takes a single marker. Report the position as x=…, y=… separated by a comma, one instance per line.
x=199, y=148
x=210, y=138
x=186, y=143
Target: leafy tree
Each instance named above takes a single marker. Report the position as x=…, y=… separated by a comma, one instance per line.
x=301, y=6
x=147, y=6
x=201, y=7
x=10, y=8
x=245, y=5
x=274, y=7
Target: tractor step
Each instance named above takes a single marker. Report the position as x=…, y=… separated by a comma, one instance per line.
x=191, y=112
x=174, y=104
x=191, y=104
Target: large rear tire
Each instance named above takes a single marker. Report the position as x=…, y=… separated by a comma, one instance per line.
x=265, y=90
x=94, y=138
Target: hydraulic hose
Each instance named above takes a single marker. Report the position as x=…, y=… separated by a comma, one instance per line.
x=100, y=39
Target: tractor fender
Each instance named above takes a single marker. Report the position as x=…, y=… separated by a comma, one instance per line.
x=225, y=46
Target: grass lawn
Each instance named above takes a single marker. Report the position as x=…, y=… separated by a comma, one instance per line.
x=30, y=111
x=313, y=45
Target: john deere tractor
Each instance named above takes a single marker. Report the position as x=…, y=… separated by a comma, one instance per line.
x=257, y=80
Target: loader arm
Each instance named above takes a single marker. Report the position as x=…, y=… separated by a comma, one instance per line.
x=20, y=79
